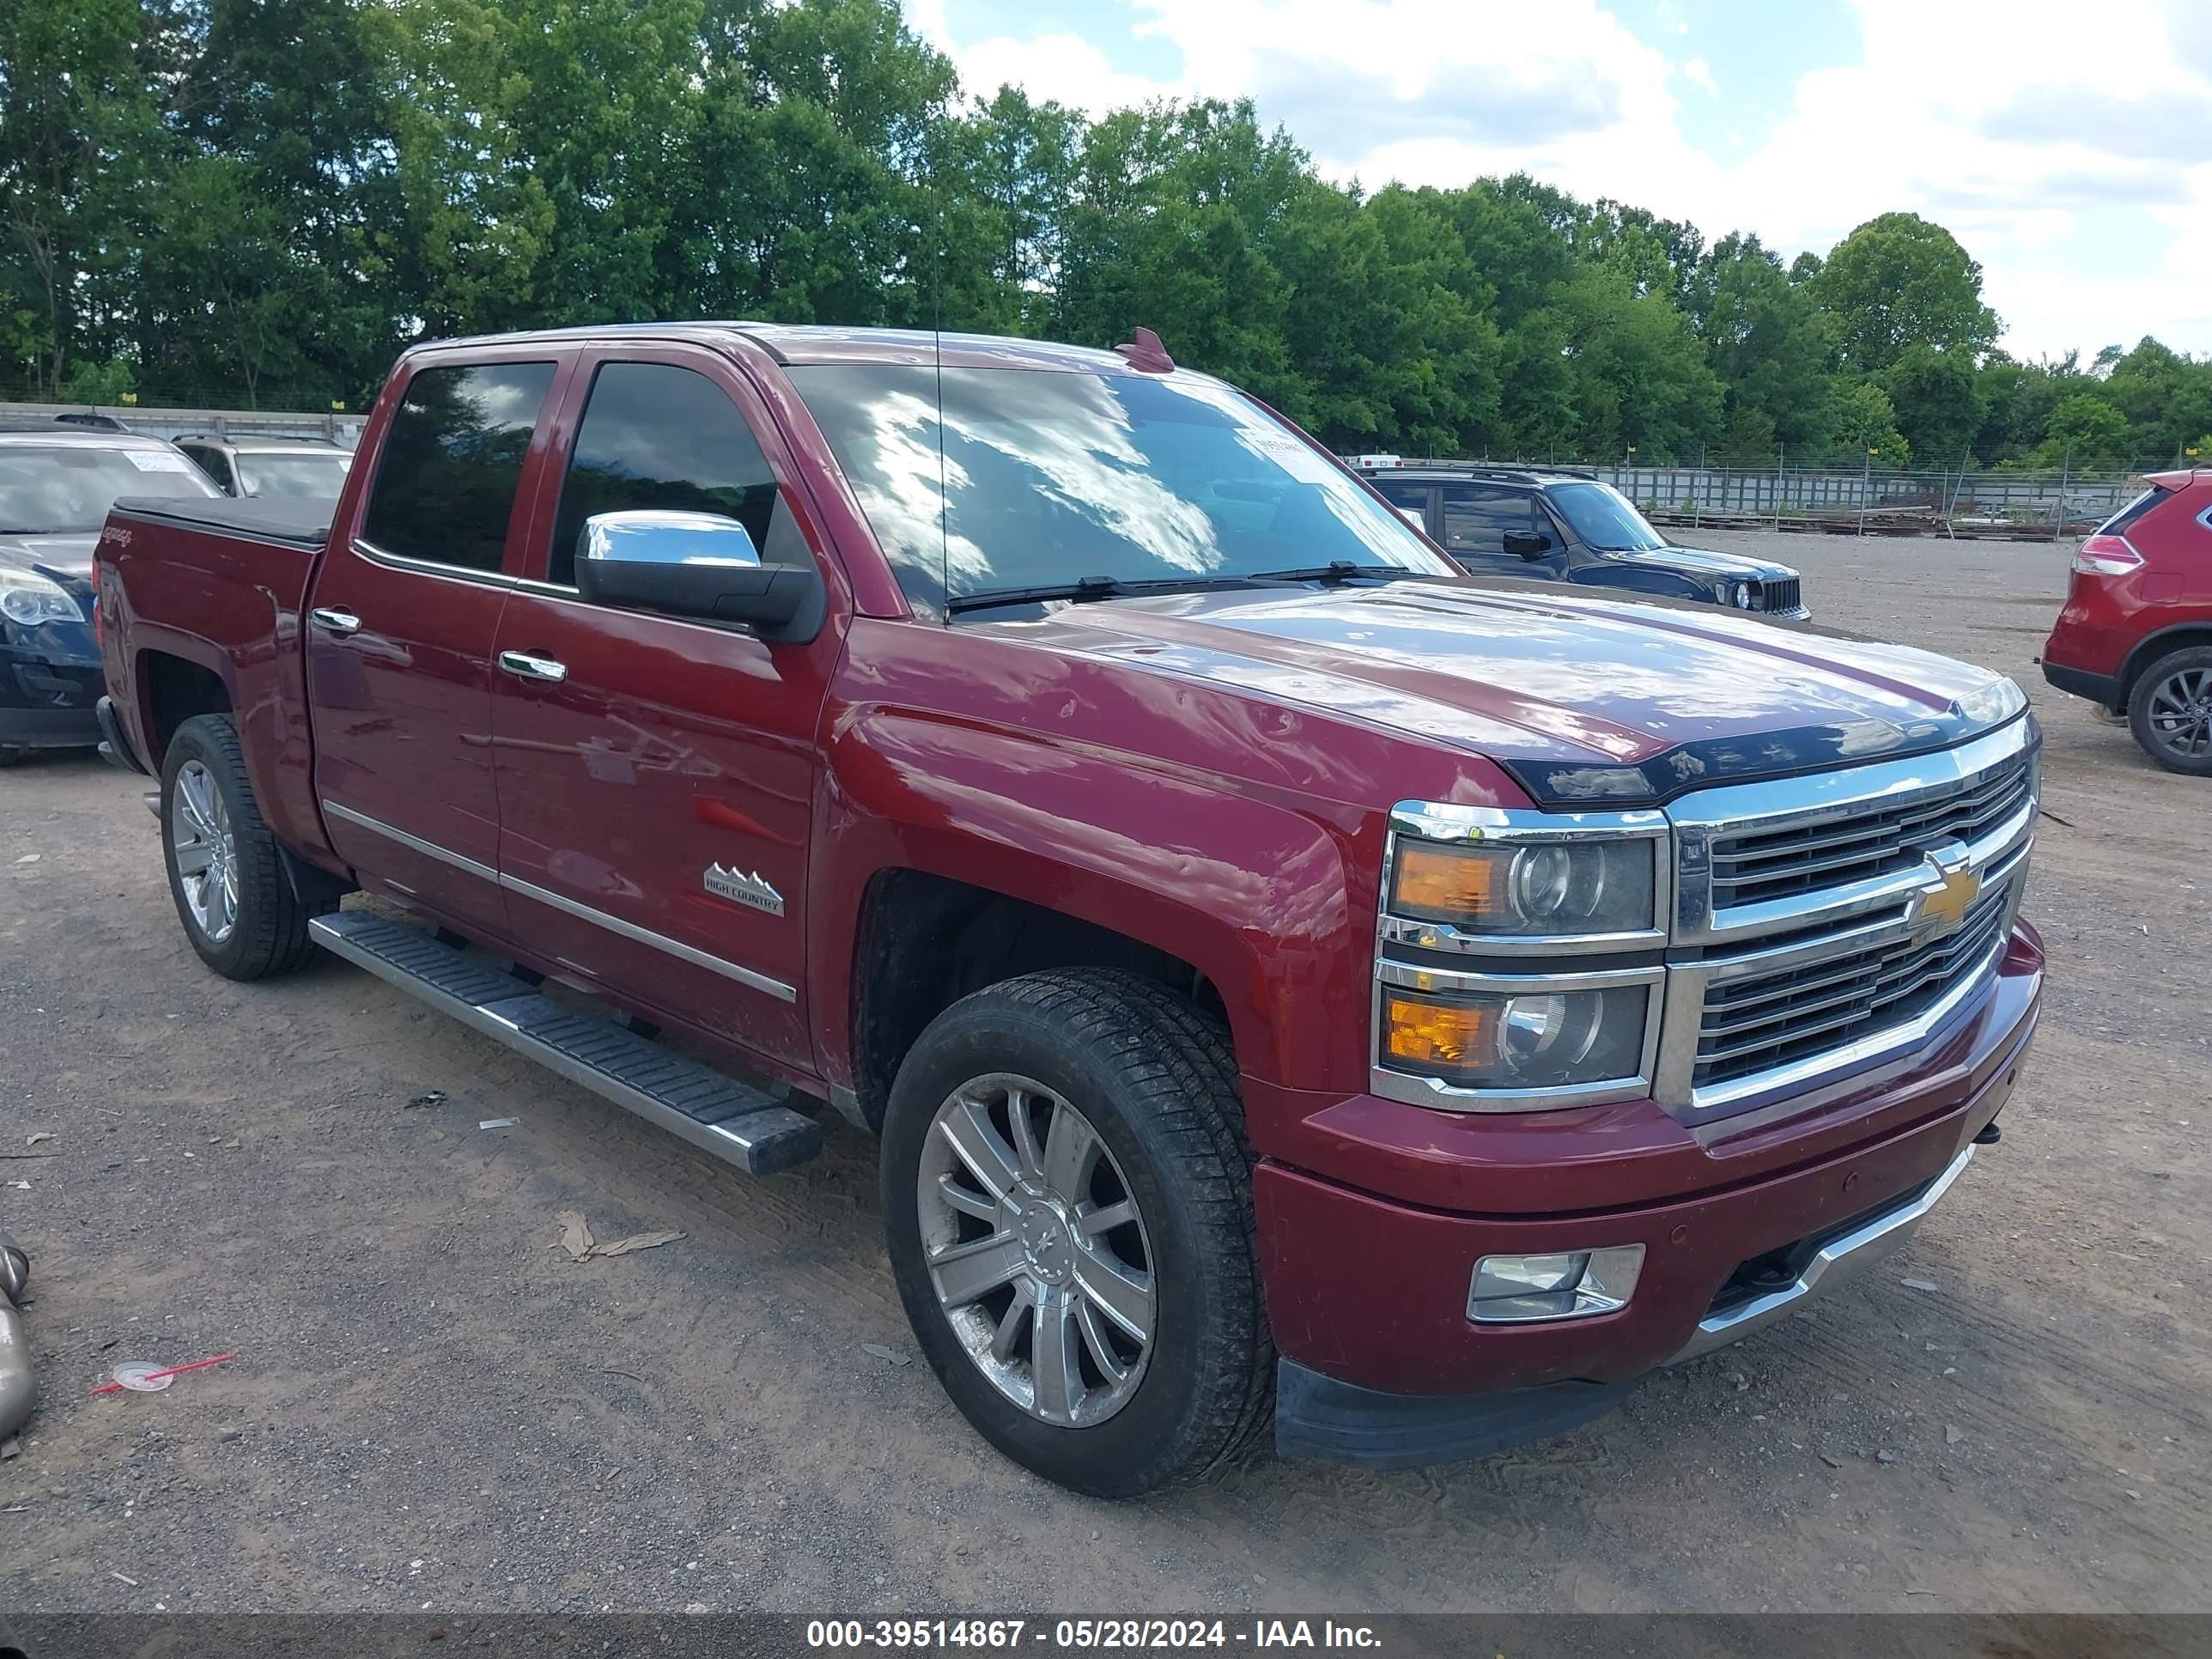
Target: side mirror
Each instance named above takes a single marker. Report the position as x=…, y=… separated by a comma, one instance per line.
x=695, y=564
x=1529, y=544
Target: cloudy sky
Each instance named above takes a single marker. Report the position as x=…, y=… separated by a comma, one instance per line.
x=2068, y=145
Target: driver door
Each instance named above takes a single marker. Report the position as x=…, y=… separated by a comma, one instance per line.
x=1478, y=517
x=656, y=775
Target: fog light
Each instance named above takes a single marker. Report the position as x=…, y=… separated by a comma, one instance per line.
x=1511, y=1290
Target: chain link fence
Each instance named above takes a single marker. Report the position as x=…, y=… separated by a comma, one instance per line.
x=1867, y=500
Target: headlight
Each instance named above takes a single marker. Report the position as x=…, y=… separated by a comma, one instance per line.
x=1743, y=596
x=1549, y=1036
x=1998, y=700
x=28, y=598
x=1538, y=889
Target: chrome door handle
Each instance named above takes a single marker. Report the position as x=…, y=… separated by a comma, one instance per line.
x=526, y=667
x=333, y=620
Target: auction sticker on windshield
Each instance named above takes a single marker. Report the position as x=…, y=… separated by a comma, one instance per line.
x=158, y=460
x=1294, y=457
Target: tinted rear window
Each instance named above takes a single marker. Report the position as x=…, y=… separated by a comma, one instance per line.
x=452, y=457
x=2119, y=523
x=318, y=476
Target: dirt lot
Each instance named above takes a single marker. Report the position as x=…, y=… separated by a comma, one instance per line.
x=432, y=1407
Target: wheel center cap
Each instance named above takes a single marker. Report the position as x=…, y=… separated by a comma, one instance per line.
x=1047, y=1242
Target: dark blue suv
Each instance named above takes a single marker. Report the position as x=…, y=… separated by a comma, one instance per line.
x=1557, y=524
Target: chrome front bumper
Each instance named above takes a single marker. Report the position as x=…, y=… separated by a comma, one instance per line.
x=1838, y=1261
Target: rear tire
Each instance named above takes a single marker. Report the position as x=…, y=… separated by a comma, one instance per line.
x=2170, y=711
x=1133, y=1090
x=226, y=872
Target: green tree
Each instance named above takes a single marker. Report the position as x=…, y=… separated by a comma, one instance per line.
x=1938, y=402
x=1866, y=424
x=1899, y=280
x=1640, y=373
x=1772, y=348
x=79, y=134
x=2086, y=434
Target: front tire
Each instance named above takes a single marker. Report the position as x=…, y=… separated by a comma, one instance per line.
x=2170, y=711
x=226, y=872
x=1069, y=1207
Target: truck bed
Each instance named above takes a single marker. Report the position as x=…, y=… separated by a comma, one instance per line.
x=204, y=600
x=289, y=520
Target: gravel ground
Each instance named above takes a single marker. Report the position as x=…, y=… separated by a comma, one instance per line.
x=433, y=1407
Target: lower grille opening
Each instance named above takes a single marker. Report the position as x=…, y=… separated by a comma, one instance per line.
x=1779, y=1268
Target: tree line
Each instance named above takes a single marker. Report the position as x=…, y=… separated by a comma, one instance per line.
x=257, y=203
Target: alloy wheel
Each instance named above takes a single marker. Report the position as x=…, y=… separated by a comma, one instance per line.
x=1036, y=1251
x=2180, y=713
x=206, y=854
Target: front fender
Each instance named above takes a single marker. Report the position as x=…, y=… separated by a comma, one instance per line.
x=1258, y=896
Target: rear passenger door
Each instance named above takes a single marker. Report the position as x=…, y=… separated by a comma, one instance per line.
x=1478, y=517
x=400, y=627
x=656, y=773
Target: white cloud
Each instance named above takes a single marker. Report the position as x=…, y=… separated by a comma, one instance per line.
x=2009, y=134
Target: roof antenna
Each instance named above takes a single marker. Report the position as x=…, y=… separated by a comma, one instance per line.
x=1143, y=352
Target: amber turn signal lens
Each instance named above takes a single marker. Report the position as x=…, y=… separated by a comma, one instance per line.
x=1439, y=883
x=1439, y=1035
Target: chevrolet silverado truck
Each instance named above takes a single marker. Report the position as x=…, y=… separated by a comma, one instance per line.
x=1290, y=980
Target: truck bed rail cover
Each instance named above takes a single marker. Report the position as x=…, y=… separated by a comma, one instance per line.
x=291, y=520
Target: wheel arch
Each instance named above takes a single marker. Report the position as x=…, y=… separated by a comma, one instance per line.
x=988, y=848
x=2148, y=650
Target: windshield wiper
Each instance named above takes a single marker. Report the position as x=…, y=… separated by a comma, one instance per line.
x=1091, y=588
x=1336, y=570
x=1086, y=588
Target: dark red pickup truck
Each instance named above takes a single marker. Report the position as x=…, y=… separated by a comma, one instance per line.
x=1283, y=972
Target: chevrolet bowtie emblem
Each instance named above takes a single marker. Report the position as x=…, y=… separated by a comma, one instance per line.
x=749, y=890
x=1943, y=907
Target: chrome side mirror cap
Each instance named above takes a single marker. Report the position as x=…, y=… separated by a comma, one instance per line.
x=700, y=565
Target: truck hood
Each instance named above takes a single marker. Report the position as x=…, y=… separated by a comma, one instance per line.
x=1587, y=702
x=66, y=558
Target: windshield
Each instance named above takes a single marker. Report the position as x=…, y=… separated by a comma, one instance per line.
x=1051, y=477
x=1604, y=518
x=62, y=488
x=288, y=474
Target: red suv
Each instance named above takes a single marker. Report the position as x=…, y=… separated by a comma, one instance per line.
x=2135, y=634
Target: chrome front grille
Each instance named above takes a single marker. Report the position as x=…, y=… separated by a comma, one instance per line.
x=1810, y=930
x=1762, y=1021
x=1815, y=931
x=1879, y=840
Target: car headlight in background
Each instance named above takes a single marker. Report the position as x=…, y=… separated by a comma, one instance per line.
x=27, y=599
x=1745, y=596
x=1535, y=890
